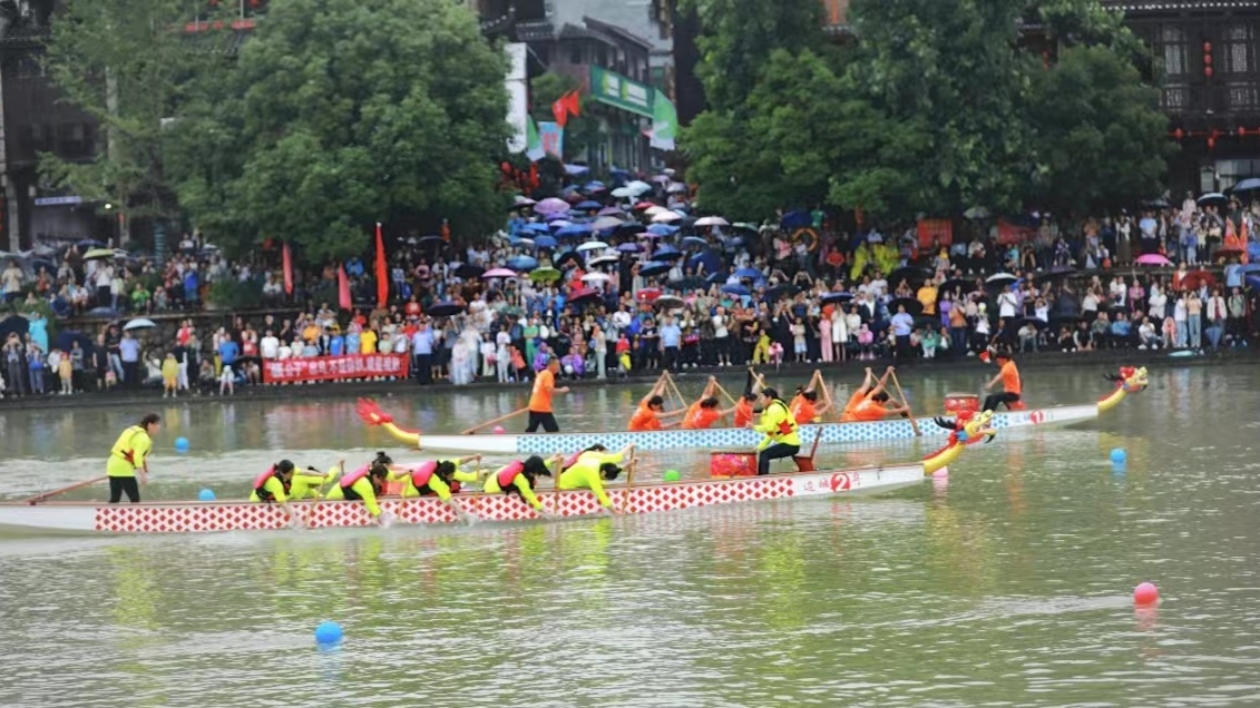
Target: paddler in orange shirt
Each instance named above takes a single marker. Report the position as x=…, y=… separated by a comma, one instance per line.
x=540, y=412
x=1012, y=386
x=651, y=411
x=705, y=412
x=804, y=408
x=867, y=402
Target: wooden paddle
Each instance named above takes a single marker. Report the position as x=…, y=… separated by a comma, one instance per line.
x=913, y=423
x=77, y=485
x=500, y=419
x=625, y=500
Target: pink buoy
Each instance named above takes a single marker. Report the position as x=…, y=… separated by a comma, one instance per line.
x=942, y=473
x=1146, y=594
x=498, y=430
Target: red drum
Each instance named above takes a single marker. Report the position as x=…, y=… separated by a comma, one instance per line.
x=962, y=403
x=732, y=464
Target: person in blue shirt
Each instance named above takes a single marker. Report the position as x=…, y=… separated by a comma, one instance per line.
x=902, y=323
x=351, y=342
x=1120, y=330
x=228, y=351
x=671, y=343
x=337, y=345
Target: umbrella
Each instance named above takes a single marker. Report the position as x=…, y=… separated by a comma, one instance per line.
x=666, y=253
x=913, y=307
x=666, y=216
x=557, y=219
x=630, y=227
x=592, y=246
x=1034, y=321
x=1253, y=282
x=966, y=285
x=711, y=261
x=1000, y=279
x=609, y=211
x=1197, y=279
x=605, y=223
x=575, y=170
x=551, y=205
x=654, y=210
x=583, y=295
x=976, y=212
x=1056, y=272
x=712, y=221
x=1160, y=203
x=629, y=248
x=622, y=193
x=594, y=186
x=90, y=243
x=695, y=241
x=596, y=278
x=642, y=206
x=566, y=257
x=445, y=308
x=515, y=241
x=588, y=205
x=653, y=268
x=545, y=274
x=103, y=312
x=1153, y=259
x=139, y=323
x=647, y=294
x=909, y=273
x=499, y=273
x=752, y=273
x=677, y=188
x=522, y=263
x=1248, y=185
x=638, y=187
x=521, y=201
x=65, y=341
x=98, y=253
x=469, y=270
x=574, y=230
x=837, y=297
x=536, y=228
x=545, y=242
x=780, y=291
x=601, y=260
x=736, y=289
x=434, y=238
x=668, y=302
x=1211, y=197
x=1250, y=268
x=14, y=324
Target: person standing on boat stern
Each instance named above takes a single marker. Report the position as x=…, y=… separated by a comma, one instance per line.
x=540, y=412
x=1008, y=375
x=130, y=455
x=780, y=429
x=593, y=467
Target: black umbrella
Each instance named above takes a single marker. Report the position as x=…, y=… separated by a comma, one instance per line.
x=66, y=340
x=444, y=309
x=909, y=273
x=469, y=271
x=837, y=297
x=567, y=256
x=1057, y=272
x=953, y=284
x=1034, y=321
x=913, y=307
x=779, y=291
x=14, y=324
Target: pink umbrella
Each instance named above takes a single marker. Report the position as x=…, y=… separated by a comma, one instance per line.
x=499, y=273
x=1153, y=259
x=551, y=205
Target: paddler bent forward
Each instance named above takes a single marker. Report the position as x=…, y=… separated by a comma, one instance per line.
x=519, y=477
x=594, y=466
x=364, y=484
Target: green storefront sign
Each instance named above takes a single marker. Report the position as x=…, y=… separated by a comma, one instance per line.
x=616, y=90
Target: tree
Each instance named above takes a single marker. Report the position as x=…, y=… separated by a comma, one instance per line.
x=120, y=62
x=1101, y=140
x=340, y=113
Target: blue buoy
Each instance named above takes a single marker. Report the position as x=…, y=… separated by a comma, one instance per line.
x=181, y=445
x=1119, y=456
x=328, y=632
x=205, y=495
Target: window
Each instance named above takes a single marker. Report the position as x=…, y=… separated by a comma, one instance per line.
x=1175, y=51
x=1243, y=96
x=1239, y=53
x=575, y=53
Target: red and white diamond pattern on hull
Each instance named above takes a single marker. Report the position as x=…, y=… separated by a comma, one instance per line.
x=193, y=518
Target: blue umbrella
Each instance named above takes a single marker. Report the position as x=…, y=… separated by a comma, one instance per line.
x=1248, y=185
x=557, y=215
x=653, y=268
x=522, y=263
x=588, y=205
x=1253, y=281
x=517, y=241
x=736, y=289
x=575, y=170
x=545, y=242
x=666, y=253
x=748, y=273
x=718, y=277
x=629, y=248
x=711, y=261
x=574, y=230
x=90, y=243
x=662, y=229
x=594, y=186
x=535, y=227
x=1250, y=268
x=695, y=241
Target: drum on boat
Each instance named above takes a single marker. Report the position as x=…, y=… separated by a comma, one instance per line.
x=732, y=464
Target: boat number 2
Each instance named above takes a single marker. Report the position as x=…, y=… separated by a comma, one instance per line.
x=840, y=482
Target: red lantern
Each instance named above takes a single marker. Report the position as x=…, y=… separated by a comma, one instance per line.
x=1242, y=131
x=1207, y=59
x=1207, y=47
x=1207, y=71
x=1179, y=133
x=1211, y=142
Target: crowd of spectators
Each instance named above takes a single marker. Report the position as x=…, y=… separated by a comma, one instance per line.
x=613, y=286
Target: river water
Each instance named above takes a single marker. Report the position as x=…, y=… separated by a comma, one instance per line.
x=1006, y=584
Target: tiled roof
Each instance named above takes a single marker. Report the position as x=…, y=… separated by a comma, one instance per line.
x=535, y=30
x=616, y=31
x=1171, y=5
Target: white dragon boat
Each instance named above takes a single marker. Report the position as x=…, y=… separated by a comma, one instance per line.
x=208, y=517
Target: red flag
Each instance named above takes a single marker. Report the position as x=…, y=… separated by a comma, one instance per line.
x=561, y=110
x=343, y=289
x=288, y=269
x=382, y=270
x=572, y=103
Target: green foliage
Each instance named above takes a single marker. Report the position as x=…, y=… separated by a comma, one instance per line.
x=233, y=294
x=118, y=61
x=1101, y=141
x=340, y=113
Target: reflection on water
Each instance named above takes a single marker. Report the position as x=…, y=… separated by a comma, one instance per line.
x=1006, y=582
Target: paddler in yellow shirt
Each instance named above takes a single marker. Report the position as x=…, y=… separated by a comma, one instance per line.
x=364, y=484
x=779, y=427
x=441, y=478
x=519, y=477
x=593, y=467
x=129, y=455
x=309, y=483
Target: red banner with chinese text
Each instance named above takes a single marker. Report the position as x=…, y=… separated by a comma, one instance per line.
x=335, y=368
x=935, y=232
x=1010, y=233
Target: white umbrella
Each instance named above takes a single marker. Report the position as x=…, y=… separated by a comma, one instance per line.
x=524, y=201
x=1001, y=278
x=666, y=217
x=596, y=278
x=592, y=246
x=677, y=188
x=637, y=187
x=601, y=260
x=97, y=254
x=712, y=221
x=604, y=223
x=654, y=210
x=139, y=323
x=624, y=193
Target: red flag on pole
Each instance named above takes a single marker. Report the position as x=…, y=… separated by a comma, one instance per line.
x=288, y=269
x=572, y=103
x=382, y=270
x=560, y=109
x=343, y=289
